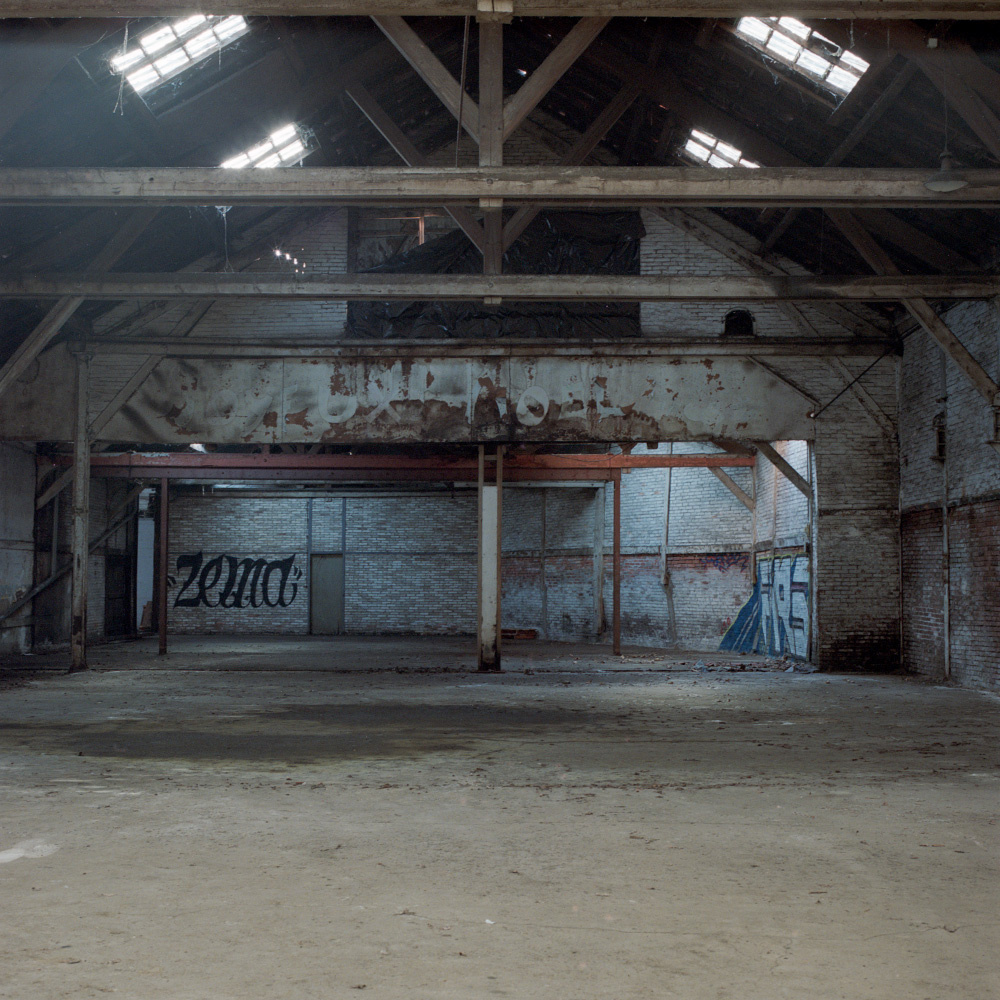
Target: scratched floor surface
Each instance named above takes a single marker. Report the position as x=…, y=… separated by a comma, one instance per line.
x=573, y=832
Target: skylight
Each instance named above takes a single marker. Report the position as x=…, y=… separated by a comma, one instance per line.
x=172, y=47
x=705, y=148
x=800, y=48
x=282, y=148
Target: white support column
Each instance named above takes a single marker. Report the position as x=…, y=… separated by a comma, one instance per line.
x=488, y=625
x=81, y=517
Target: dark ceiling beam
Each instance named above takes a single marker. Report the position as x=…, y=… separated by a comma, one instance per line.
x=671, y=93
x=409, y=154
x=430, y=69
x=920, y=309
x=883, y=9
x=515, y=287
x=577, y=154
x=876, y=110
x=588, y=350
x=39, y=338
x=552, y=69
x=819, y=187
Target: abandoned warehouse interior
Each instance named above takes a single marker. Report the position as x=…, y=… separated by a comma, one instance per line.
x=638, y=361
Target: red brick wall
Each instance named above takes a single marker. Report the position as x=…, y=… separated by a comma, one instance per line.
x=923, y=594
x=974, y=534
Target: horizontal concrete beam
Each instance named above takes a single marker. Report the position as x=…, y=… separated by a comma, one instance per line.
x=508, y=287
x=683, y=347
x=882, y=9
x=827, y=187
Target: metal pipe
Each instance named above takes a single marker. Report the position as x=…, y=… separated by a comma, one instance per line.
x=81, y=517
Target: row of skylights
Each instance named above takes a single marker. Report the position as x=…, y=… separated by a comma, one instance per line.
x=800, y=48
x=283, y=148
x=171, y=48
x=705, y=148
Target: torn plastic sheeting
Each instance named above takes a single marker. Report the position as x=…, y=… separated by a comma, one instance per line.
x=554, y=243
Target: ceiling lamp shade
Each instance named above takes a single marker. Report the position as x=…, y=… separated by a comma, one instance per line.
x=947, y=178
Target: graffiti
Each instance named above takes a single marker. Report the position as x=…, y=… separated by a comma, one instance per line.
x=775, y=620
x=227, y=582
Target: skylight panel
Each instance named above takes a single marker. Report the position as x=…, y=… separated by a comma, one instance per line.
x=282, y=148
x=808, y=52
x=705, y=148
x=171, y=48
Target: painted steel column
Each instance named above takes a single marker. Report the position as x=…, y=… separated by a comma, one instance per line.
x=81, y=517
x=600, y=510
x=617, y=565
x=161, y=589
x=488, y=631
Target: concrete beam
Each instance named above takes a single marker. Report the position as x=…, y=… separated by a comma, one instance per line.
x=823, y=187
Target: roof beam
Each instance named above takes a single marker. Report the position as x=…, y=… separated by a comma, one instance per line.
x=558, y=61
x=882, y=9
x=39, y=338
x=782, y=465
x=491, y=135
x=516, y=287
x=581, y=149
x=409, y=154
x=429, y=68
x=589, y=350
x=733, y=487
x=918, y=307
x=821, y=187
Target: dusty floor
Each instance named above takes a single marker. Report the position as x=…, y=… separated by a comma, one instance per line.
x=654, y=832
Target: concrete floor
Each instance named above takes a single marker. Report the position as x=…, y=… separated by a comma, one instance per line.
x=576, y=832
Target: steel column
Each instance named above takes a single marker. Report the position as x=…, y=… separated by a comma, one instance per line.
x=161, y=590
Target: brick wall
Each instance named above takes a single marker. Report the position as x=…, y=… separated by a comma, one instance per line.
x=934, y=392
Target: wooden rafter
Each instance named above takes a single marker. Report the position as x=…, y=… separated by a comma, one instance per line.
x=409, y=154
x=431, y=70
x=733, y=487
x=784, y=467
x=558, y=61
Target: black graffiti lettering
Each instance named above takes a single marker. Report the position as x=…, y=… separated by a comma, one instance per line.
x=192, y=559
x=204, y=585
x=227, y=588
x=247, y=582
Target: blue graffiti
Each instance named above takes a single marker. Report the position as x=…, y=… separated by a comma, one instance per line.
x=775, y=620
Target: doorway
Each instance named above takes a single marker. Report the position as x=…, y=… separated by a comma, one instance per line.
x=326, y=594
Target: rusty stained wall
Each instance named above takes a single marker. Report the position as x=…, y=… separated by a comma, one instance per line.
x=441, y=400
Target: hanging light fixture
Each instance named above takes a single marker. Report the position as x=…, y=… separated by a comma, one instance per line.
x=947, y=178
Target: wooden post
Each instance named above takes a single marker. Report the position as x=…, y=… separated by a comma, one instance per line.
x=81, y=517
x=491, y=136
x=617, y=565
x=161, y=589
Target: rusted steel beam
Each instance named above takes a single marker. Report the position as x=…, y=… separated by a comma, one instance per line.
x=148, y=464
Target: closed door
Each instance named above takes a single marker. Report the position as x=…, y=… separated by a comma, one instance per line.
x=326, y=594
x=117, y=603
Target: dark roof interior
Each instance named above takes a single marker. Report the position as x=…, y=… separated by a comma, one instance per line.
x=293, y=69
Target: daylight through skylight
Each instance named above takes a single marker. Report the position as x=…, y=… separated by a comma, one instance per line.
x=800, y=48
x=705, y=148
x=282, y=148
x=172, y=47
